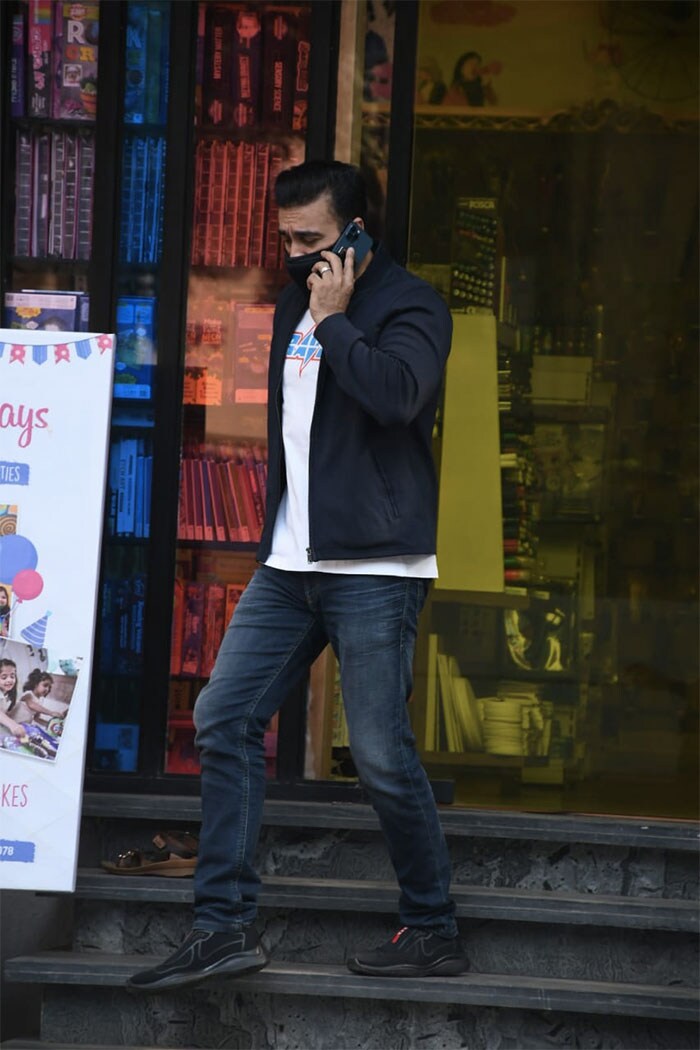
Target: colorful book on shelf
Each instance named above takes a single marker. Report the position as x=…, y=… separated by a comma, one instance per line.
x=234, y=531
x=58, y=193
x=199, y=62
x=147, y=493
x=107, y=632
x=256, y=241
x=39, y=48
x=135, y=58
x=280, y=54
x=207, y=505
x=232, y=192
x=41, y=181
x=253, y=335
x=452, y=729
x=70, y=204
x=214, y=625
x=244, y=491
x=153, y=200
x=188, y=496
x=47, y=311
x=24, y=196
x=137, y=610
x=207, y=335
x=135, y=351
x=247, y=67
x=218, y=70
x=197, y=500
x=75, y=54
x=182, y=505
x=257, y=491
x=202, y=192
x=126, y=500
x=466, y=709
x=301, y=72
x=244, y=214
x=217, y=503
x=272, y=251
x=86, y=171
x=17, y=65
x=238, y=488
x=217, y=199
x=158, y=62
x=193, y=629
x=139, y=486
x=112, y=487
x=432, y=711
x=137, y=201
x=233, y=596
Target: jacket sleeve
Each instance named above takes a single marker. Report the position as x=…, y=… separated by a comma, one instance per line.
x=394, y=377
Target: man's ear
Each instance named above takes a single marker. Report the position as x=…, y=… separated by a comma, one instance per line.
x=359, y=222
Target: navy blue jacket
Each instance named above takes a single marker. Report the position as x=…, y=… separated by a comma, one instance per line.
x=372, y=484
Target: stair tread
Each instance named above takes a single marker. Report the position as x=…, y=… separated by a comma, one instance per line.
x=379, y=895
x=43, y=1044
x=476, y=989
x=647, y=833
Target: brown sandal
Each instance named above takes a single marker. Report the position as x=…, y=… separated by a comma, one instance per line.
x=175, y=857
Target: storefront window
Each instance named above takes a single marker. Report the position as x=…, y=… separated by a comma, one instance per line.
x=554, y=205
x=251, y=122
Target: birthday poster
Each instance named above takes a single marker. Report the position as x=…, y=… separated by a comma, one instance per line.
x=55, y=402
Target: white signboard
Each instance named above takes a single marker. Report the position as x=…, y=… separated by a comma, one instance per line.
x=54, y=427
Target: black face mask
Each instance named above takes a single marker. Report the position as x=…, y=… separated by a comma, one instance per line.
x=300, y=266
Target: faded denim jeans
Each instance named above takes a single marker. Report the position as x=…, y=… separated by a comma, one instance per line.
x=282, y=623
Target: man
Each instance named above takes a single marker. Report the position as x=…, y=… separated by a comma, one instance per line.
x=346, y=557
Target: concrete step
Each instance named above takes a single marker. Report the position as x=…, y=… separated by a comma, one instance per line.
x=359, y=895
x=95, y=970
x=42, y=1044
x=482, y=823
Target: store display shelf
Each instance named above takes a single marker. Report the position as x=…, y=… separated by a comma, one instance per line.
x=45, y=262
x=219, y=545
x=504, y=600
x=471, y=759
x=55, y=123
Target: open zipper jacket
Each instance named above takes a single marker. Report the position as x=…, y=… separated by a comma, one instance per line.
x=372, y=482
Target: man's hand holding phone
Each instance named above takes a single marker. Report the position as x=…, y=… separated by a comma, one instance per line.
x=331, y=285
x=332, y=280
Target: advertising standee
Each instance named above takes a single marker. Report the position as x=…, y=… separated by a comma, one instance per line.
x=55, y=397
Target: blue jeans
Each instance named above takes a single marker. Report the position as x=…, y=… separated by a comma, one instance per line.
x=282, y=623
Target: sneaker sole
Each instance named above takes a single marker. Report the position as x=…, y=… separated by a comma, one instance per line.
x=246, y=962
x=444, y=968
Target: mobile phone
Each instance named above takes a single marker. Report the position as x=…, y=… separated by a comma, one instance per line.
x=353, y=236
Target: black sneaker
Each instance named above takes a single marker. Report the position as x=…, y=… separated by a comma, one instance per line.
x=204, y=954
x=413, y=952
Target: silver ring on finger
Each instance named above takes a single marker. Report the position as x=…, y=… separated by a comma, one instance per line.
x=323, y=270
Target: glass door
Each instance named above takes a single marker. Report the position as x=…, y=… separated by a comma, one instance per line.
x=136, y=307
x=251, y=105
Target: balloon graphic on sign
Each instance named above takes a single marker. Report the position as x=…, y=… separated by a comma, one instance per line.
x=26, y=585
x=16, y=554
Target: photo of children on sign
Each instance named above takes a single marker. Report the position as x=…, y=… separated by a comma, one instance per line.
x=34, y=701
x=34, y=697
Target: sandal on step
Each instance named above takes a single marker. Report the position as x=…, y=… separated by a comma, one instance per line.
x=175, y=857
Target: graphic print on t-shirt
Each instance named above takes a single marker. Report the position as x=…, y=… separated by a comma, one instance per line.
x=304, y=347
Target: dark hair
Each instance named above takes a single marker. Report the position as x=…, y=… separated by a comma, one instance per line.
x=306, y=182
x=457, y=75
x=36, y=677
x=5, y=662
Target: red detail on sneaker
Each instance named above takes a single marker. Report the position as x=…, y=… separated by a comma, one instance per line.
x=400, y=933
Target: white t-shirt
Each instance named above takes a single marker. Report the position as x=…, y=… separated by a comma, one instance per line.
x=290, y=537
